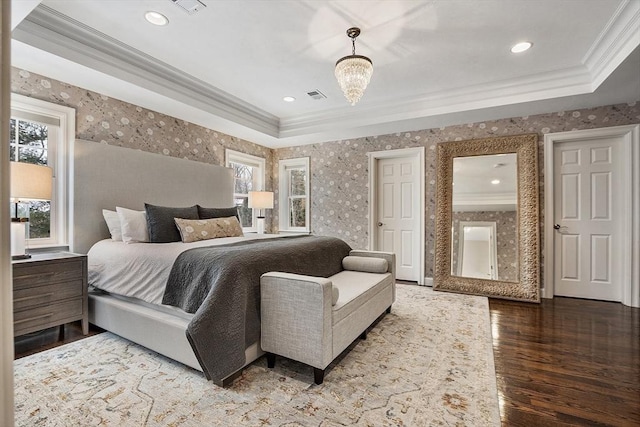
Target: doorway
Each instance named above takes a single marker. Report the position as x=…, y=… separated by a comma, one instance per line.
x=477, y=253
x=396, y=208
x=591, y=214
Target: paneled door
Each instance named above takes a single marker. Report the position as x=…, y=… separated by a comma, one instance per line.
x=589, y=218
x=398, y=214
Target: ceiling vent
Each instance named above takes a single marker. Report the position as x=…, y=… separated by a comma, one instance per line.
x=189, y=6
x=316, y=94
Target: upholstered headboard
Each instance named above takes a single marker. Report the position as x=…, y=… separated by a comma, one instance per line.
x=106, y=176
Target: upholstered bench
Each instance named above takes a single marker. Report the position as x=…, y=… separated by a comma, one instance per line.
x=313, y=319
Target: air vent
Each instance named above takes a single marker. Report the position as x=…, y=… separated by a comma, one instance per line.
x=316, y=94
x=189, y=6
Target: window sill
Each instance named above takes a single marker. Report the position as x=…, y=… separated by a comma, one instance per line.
x=294, y=232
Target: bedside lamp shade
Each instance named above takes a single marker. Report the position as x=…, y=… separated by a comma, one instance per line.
x=28, y=182
x=261, y=200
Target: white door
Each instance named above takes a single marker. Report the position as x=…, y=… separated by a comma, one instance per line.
x=477, y=250
x=398, y=214
x=588, y=219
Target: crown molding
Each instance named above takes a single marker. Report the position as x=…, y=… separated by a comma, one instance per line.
x=60, y=35
x=542, y=86
x=199, y=102
x=618, y=39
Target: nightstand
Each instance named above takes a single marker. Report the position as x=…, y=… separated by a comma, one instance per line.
x=49, y=289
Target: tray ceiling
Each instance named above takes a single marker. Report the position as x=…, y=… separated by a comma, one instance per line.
x=436, y=63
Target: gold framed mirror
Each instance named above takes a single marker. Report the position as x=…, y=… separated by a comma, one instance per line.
x=487, y=218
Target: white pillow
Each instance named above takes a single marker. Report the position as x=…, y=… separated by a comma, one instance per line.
x=133, y=225
x=113, y=222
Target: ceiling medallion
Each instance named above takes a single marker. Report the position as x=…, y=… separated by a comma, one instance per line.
x=353, y=71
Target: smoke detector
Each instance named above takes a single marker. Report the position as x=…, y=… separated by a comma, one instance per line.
x=189, y=6
x=316, y=94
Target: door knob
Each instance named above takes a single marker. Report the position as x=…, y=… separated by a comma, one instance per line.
x=380, y=224
x=556, y=227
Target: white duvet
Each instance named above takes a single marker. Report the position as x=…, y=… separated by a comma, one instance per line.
x=141, y=270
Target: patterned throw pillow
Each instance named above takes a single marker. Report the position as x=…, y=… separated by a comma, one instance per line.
x=192, y=230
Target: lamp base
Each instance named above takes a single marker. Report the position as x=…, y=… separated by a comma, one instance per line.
x=260, y=225
x=18, y=239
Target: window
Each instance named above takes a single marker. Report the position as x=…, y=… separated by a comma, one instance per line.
x=294, y=194
x=248, y=173
x=40, y=133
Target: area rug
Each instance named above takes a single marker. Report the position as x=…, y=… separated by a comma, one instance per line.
x=427, y=363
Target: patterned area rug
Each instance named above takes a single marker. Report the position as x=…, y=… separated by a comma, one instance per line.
x=428, y=363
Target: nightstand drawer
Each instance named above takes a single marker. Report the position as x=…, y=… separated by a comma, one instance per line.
x=49, y=289
x=46, y=294
x=45, y=316
x=35, y=274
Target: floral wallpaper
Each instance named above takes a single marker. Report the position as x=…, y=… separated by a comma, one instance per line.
x=102, y=119
x=506, y=225
x=339, y=169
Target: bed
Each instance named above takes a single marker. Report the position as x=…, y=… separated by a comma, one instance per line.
x=108, y=176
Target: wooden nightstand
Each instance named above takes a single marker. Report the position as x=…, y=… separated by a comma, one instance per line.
x=49, y=289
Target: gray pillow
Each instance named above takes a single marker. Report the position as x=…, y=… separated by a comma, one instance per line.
x=210, y=213
x=162, y=227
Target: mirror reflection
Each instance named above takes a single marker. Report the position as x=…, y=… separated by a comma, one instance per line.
x=485, y=217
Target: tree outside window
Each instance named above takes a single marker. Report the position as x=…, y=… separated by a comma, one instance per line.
x=248, y=173
x=294, y=194
x=297, y=197
x=29, y=143
x=243, y=183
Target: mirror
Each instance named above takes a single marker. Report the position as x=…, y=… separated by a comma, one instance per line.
x=487, y=217
x=485, y=191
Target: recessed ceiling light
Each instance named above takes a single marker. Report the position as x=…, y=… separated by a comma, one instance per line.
x=521, y=47
x=288, y=99
x=156, y=18
x=495, y=182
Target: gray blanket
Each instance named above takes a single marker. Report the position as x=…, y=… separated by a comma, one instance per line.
x=221, y=285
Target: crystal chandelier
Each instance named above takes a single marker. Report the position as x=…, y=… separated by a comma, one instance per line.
x=354, y=71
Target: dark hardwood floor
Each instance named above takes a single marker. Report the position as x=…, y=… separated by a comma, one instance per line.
x=564, y=362
x=35, y=342
x=567, y=362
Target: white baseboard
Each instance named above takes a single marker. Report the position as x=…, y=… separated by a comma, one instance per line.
x=428, y=281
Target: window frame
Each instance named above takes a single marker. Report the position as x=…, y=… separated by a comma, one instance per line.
x=259, y=178
x=283, y=193
x=59, y=151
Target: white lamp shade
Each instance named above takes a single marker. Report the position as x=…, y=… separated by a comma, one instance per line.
x=30, y=182
x=261, y=199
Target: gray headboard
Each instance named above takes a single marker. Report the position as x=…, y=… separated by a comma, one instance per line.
x=106, y=176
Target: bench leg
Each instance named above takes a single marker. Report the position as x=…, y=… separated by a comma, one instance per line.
x=318, y=375
x=363, y=336
x=271, y=360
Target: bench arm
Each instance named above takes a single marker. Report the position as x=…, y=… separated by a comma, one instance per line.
x=296, y=321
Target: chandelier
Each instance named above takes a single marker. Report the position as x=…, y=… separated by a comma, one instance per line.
x=353, y=71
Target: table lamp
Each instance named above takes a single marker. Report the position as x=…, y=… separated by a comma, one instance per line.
x=28, y=182
x=260, y=200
